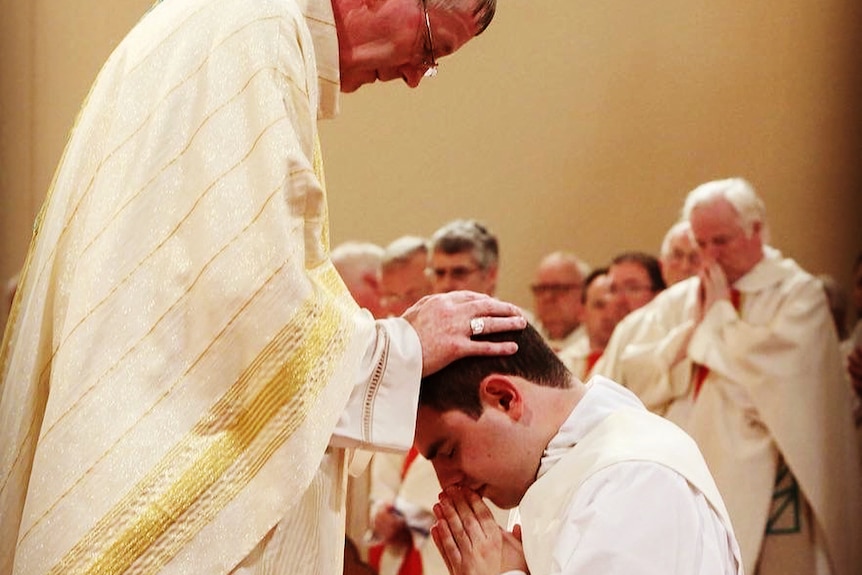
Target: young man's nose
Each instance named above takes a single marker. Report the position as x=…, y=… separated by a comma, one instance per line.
x=448, y=475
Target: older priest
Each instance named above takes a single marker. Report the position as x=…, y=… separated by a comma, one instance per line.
x=183, y=366
x=745, y=357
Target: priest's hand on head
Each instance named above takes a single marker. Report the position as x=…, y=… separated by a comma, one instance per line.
x=445, y=324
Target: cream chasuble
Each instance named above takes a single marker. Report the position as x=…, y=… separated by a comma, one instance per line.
x=626, y=435
x=774, y=393
x=181, y=348
x=576, y=358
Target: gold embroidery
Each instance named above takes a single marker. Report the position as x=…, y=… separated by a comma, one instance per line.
x=154, y=521
x=376, y=378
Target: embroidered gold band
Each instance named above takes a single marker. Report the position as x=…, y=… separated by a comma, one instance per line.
x=154, y=521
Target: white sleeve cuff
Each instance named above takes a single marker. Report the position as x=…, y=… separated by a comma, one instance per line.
x=381, y=411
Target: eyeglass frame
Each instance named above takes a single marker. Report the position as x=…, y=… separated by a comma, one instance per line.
x=431, y=67
x=457, y=273
x=555, y=289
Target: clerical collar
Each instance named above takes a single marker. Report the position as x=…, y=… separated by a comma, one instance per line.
x=603, y=397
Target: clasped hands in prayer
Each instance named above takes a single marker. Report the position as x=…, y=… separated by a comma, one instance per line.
x=714, y=287
x=470, y=540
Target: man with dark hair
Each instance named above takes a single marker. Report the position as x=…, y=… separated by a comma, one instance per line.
x=635, y=279
x=601, y=314
x=601, y=484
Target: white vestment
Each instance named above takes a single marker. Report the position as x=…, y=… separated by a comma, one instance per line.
x=576, y=357
x=558, y=345
x=181, y=348
x=774, y=396
x=622, y=491
x=416, y=496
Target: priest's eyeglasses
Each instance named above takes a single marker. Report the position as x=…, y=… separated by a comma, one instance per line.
x=431, y=64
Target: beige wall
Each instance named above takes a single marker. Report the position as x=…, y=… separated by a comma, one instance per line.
x=577, y=125
x=50, y=53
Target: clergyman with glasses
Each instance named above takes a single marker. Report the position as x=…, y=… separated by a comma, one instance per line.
x=184, y=373
x=464, y=255
x=680, y=256
x=558, y=299
x=635, y=279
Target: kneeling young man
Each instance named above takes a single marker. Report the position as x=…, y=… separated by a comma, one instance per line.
x=600, y=484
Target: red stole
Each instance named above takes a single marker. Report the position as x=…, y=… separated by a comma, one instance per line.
x=592, y=358
x=412, y=563
x=700, y=370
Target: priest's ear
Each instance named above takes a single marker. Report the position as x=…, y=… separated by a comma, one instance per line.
x=500, y=392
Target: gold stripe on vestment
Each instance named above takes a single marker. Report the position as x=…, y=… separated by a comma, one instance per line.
x=153, y=522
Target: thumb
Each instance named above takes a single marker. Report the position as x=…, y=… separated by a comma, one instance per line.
x=517, y=532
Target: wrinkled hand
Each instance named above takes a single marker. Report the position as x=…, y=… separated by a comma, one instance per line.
x=470, y=540
x=713, y=287
x=390, y=527
x=443, y=324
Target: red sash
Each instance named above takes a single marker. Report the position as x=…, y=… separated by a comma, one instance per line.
x=412, y=563
x=592, y=358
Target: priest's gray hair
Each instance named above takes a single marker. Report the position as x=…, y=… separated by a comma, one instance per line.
x=467, y=236
x=404, y=249
x=680, y=228
x=482, y=10
x=741, y=195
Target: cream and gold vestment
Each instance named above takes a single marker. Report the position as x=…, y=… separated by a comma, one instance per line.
x=181, y=348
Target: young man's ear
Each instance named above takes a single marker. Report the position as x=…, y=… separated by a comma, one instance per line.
x=500, y=392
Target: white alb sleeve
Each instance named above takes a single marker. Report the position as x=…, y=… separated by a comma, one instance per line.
x=381, y=411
